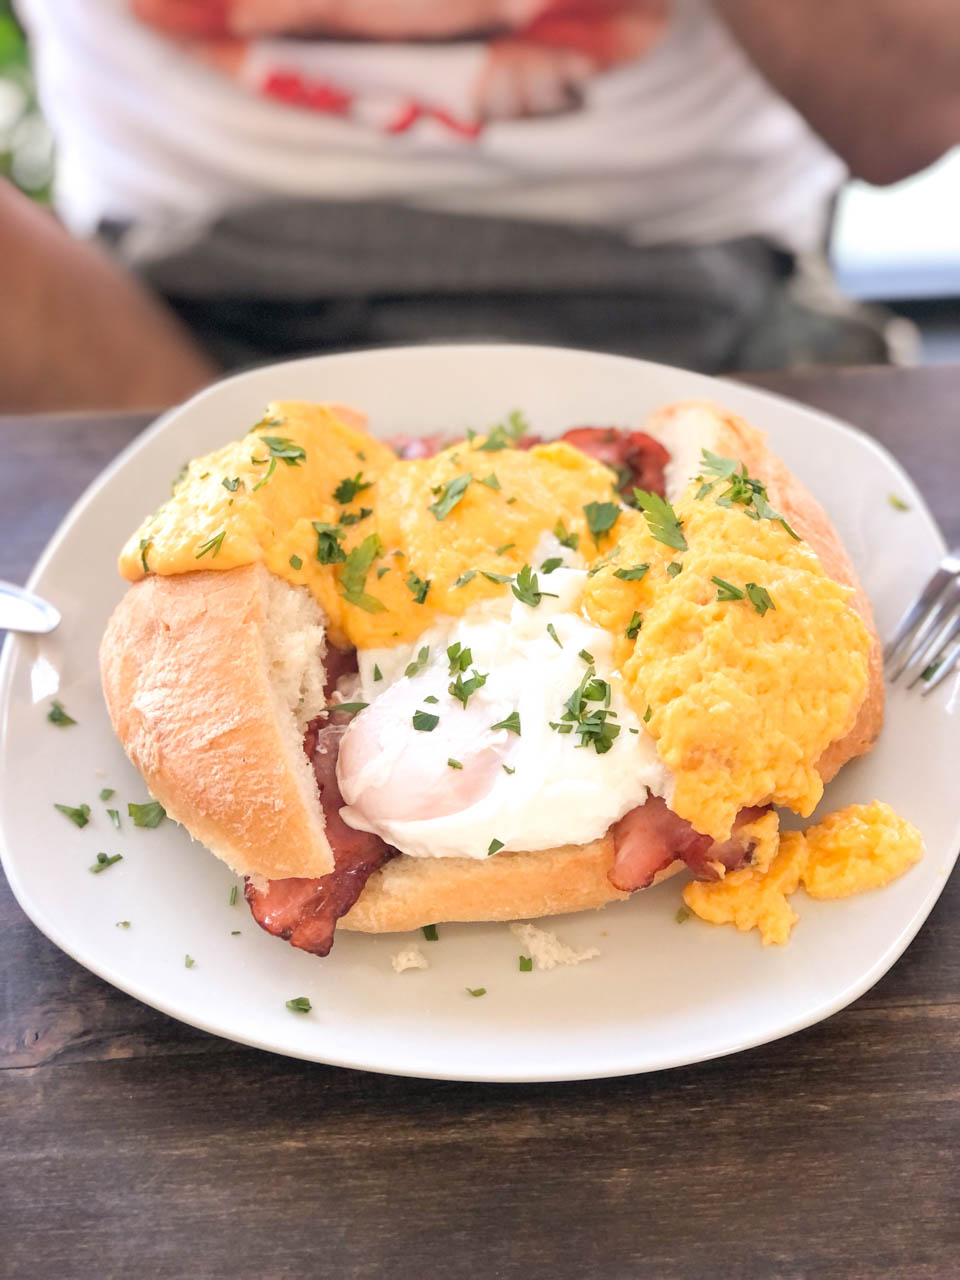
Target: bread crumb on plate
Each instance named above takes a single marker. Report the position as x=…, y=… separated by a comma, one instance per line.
x=547, y=950
x=409, y=958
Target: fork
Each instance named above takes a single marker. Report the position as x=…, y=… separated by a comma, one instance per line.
x=926, y=643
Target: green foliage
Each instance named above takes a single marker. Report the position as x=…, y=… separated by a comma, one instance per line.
x=26, y=153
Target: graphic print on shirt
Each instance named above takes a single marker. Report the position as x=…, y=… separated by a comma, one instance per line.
x=425, y=66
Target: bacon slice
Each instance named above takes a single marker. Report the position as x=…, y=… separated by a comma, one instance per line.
x=637, y=458
x=650, y=837
x=305, y=912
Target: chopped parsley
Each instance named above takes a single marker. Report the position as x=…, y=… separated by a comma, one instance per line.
x=490, y=481
x=525, y=964
x=377, y=673
x=929, y=672
x=150, y=814
x=601, y=517
x=586, y=656
x=494, y=847
x=419, y=662
x=588, y=714
x=329, y=537
x=384, y=569
x=504, y=435
x=349, y=487
x=673, y=568
x=56, y=715
x=683, y=914
x=123, y=924
x=759, y=597
x=353, y=575
x=504, y=547
x=647, y=714
x=233, y=895
x=418, y=587
x=458, y=657
x=507, y=769
x=495, y=577
x=296, y=562
x=634, y=574
x=661, y=519
x=429, y=932
x=554, y=562
x=79, y=816
x=466, y=577
x=425, y=721
x=454, y=764
x=106, y=793
x=431, y=699
x=477, y=991
x=299, y=1004
x=231, y=485
x=270, y=470
x=145, y=545
x=898, y=504
x=526, y=588
x=552, y=633
x=633, y=626
x=354, y=517
x=726, y=590
x=463, y=690
x=511, y=723
x=114, y=816
x=213, y=545
x=742, y=489
x=103, y=862
x=284, y=449
x=451, y=494
x=571, y=540
x=349, y=708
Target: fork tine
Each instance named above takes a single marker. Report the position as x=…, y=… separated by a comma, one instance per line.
x=916, y=613
x=923, y=658
x=920, y=637
x=946, y=666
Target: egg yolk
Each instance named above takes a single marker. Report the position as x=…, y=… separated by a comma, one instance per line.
x=384, y=545
x=742, y=688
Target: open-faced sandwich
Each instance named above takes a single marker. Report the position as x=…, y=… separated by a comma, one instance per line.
x=500, y=679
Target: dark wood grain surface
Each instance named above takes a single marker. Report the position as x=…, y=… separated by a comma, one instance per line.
x=134, y=1145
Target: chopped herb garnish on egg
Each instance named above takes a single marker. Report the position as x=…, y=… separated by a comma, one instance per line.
x=454, y=764
x=587, y=657
x=633, y=626
x=673, y=568
x=231, y=484
x=353, y=575
x=145, y=545
x=571, y=540
x=329, y=537
x=898, y=504
x=490, y=481
x=463, y=690
x=299, y=1004
x=296, y=562
x=647, y=714
x=418, y=587
x=504, y=547
x=601, y=517
x=661, y=519
x=349, y=487
x=56, y=715
x=458, y=657
x=79, y=816
x=430, y=698
x=494, y=847
x=451, y=495
x=526, y=587
x=525, y=963
x=554, y=562
x=465, y=578
x=150, y=814
x=103, y=862
x=552, y=633
x=477, y=991
x=743, y=489
x=107, y=793
x=759, y=597
x=285, y=449
x=377, y=673
x=593, y=724
x=726, y=590
x=419, y=662
x=382, y=571
x=114, y=816
x=233, y=895
x=634, y=574
x=354, y=517
x=496, y=577
x=511, y=723
x=425, y=721
x=213, y=545
x=270, y=470
x=507, y=769
x=429, y=932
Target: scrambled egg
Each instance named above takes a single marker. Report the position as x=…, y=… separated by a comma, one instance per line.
x=743, y=695
x=858, y=848
x=384, y=545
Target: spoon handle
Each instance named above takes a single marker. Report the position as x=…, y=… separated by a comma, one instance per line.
x=21, y=610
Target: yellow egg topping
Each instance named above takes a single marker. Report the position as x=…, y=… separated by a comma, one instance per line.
x=858, y=848
x=383, y=544
x=745, y=657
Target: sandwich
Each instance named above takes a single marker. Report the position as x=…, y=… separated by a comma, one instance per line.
x=501, y=678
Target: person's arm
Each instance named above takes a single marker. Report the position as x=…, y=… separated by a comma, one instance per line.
x=879, y=80
x=76, y=331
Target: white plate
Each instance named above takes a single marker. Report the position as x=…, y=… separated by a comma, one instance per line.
x=660, y=994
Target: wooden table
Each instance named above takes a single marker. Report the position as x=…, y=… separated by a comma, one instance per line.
x=133, y=1145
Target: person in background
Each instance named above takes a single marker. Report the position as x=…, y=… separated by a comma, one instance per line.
x=240, y=180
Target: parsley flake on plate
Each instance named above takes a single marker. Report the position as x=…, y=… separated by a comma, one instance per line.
x=429, y=932
x=106, y=794
x=299, y=1004
x=79, y=816
x=150, y=814
x=476, y=992
x=103, y=861
x=525, y=964
x=56, y=715
x=494, y=847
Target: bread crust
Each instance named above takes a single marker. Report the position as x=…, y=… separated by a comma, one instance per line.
x=187, y=685
x=186, y=677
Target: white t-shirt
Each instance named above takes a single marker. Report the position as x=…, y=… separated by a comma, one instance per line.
x=686, y=144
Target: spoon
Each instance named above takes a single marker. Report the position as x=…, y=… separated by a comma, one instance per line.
x=21, y=610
